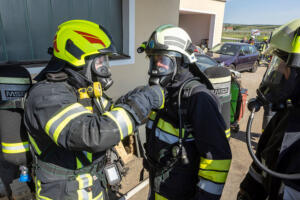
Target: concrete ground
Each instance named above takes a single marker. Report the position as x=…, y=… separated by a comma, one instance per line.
x=241, y=158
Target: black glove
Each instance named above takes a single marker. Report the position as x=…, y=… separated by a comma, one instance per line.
x=140, y=101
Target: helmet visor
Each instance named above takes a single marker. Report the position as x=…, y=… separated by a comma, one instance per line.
x=101, y=66
x=161, y=65
x=276, y=71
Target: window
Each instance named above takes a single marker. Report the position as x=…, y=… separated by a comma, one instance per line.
x=245, y=50
x=28, y=31
x=253, y=49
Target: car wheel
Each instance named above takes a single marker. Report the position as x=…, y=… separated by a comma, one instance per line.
x=254, y=67
x=232, y=66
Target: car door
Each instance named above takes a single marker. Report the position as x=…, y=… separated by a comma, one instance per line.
x=243, y=60
x=253, y=55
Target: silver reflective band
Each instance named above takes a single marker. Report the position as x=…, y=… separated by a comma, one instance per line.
x=85, y=180
x=8, y=80
x=168, y=138
x=210, y=187
x=149, y=124
x=15, y=147
x=121, y=121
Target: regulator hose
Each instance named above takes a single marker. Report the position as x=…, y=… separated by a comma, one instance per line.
x=255, y=159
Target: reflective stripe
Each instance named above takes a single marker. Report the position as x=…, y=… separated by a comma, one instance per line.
x=220, y=80
x=38, y=189
x=215, y=176
x=121, y=118
x=256, y=176
x=159, y=197
x=167, y=127
x=149, y=124
x=99, y=196
x=219, y=165
x=227, y=133
x=88, y=155
x=78, y=164
x=168, y=138
x=210, y=187
x=8, y=80
x=84, y=180
x=104, y=102
x=34, y=145
x=84, y=195
x=163, y=95
x=57, y=123
x=152, y=115
x=20, y=147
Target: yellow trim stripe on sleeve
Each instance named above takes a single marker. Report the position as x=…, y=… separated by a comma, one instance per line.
x=12, y=148
x=60, y=114
x=63, y=124
x=84, y=180
x=227, y=133
x=116, y=122
x=219, y=165
x=217, y=177
x=126, y=118
x=163, y=95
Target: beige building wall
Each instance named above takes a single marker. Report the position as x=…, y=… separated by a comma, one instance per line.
x=149, y=14
x=213, y=7
x=197, y=25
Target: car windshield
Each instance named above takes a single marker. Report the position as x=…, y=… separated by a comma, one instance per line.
x=226, y=49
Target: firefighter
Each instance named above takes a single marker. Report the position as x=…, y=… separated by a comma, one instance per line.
x=68, y=131
x=278, y=148
x=192, y=161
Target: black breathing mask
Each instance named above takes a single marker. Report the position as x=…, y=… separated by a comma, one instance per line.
x=278, y=84
x=163, y=68
x=100, y=71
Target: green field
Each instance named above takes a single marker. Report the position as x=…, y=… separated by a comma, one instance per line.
x=240, y=31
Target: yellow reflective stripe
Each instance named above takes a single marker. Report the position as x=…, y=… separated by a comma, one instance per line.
x=12, y=148
x=227, y=132
x=215, y=176
x=35, y=146
x=78, y=164
x=65, y=122
x=152, y=115
x=125, y=119
x=167, y=127
x=219, y=165
x=98, y=197
x=60, y=114
x=262, y=130
x=84, y=180
x=77, y=109
x=9, y=80
x=89, y=156
x=163, y=95
x=159, y=197
x=116, y=122
x=38, y=189
x=84, y=195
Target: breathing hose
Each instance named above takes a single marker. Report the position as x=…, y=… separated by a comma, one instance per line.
x=255, y=159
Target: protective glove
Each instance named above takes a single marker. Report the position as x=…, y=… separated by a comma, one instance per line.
x=140, y=101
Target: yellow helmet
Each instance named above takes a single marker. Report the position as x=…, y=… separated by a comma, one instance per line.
x=285, y=42
x=77, y=39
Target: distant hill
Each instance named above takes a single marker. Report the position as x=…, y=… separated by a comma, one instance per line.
x=245, y=27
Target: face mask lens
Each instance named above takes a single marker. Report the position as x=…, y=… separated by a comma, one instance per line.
x=101, y=66
x=275, y=72
x=161, y=65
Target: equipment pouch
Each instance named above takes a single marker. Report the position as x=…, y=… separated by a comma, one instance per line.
x=112, y=174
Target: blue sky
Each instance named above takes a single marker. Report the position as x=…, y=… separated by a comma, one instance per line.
x=275, y=12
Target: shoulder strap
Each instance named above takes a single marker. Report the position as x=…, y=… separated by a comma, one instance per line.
x=189, y=88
